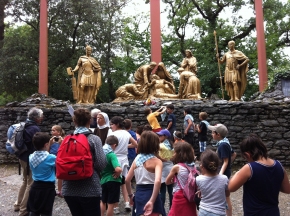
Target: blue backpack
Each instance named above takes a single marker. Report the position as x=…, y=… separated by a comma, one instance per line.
x=15, y=142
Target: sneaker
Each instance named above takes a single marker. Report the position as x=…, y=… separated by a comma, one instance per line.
x=127, y=206
x=116, y=210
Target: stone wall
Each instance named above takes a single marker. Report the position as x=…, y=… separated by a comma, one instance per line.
x=269, y=119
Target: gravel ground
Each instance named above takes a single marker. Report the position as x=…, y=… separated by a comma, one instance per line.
x=10, y=182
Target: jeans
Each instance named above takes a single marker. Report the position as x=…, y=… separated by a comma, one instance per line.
x=163, y=193
x=202, y=146
x=83, y=206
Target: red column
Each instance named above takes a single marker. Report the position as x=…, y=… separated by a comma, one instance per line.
x=155, y=31
x=43, y=49
x=262, y=60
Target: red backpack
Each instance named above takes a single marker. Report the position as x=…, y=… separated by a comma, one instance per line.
x=74, y=159
x=190, y=187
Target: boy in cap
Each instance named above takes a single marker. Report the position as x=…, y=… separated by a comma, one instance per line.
x=219, y=133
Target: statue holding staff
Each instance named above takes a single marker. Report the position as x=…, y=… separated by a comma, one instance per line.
x=89, y=78
x=235, y=72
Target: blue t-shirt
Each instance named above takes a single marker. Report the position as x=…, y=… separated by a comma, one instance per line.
x=224, y=151
x=45, y=171
x=171, y=118
x=54, y=148
x=132, y=151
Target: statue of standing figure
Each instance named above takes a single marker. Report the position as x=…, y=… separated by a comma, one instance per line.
x=235, y=72
x=89, y=78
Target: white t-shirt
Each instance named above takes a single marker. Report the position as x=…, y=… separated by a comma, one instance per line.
x=123, y=138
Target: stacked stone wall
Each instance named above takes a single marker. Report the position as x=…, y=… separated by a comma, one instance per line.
x=270, y=120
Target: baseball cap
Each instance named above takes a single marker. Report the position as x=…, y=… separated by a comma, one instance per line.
x=164, y=132
x=220, y=129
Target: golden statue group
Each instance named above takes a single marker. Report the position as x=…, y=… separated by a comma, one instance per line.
x=150, y=83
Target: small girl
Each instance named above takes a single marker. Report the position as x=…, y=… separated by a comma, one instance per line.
x=177, y=136
x=57, y=136
x=58, y=133
x=147, y=169
x=183, y=153
x=213, y=187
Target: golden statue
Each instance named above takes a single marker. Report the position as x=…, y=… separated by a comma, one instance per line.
x=130, y=92
x=161, y=88
x=142, y=76
x=189, y=86
x=89, y=78
x=235, y=72
x=189, y=63
x=164, y=74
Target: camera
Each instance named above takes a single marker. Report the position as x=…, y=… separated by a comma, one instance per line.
x=56, y=139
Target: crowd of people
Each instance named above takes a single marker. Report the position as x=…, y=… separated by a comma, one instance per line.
x=144, y=164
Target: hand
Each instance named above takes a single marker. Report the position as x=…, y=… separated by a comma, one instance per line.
x=198, y=193
x=131, y=200
x=185, y=132
x=238, y=66
x=148, y=208
x=116, y=175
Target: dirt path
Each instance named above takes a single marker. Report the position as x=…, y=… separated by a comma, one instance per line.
x=10, y=182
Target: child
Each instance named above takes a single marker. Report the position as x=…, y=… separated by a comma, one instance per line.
x=139, y=131
x=177, y=135
x=263, y=178
x=131, y=151
x=188, y=126
x=57, y=134
x=147, y=169
x=213, y=187
x=183, y=153
x=42, y=165
x=219, y=133
x=111, y=179
x=165, y=154
x=171, y=120
x=202, y=131
x=152, y=118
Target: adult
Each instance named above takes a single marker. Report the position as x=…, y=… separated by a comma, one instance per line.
x=163, y=73
x=142, y=75
x=161, y=88
x=189, y=85
x=130, y=92
x=189, y=63
x=83, y=196
x=235, y=72
x=124, y=137
x=89, y=78
x=94, y=115
x=103, y=128
x=34, y=118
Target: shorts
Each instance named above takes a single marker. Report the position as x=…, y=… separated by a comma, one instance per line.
x=111, y=192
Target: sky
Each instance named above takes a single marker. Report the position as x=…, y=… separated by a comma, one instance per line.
x=140, y=7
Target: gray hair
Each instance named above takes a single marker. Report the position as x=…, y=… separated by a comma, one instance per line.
x=34, y=114
x=95, y=112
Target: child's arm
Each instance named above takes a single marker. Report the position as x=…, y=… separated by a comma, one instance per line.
x=224, y=166
x=128, y=181
x=188, y=126
x=174, y=170
x=148, y=208
x=117, y=172
x=285, y=186
x=239, y=178
x=133, y=143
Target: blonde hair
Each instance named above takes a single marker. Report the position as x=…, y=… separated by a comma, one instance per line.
x=59, y=129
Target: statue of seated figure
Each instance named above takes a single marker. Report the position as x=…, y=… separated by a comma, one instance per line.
x=189, y=86
x=161, y=88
